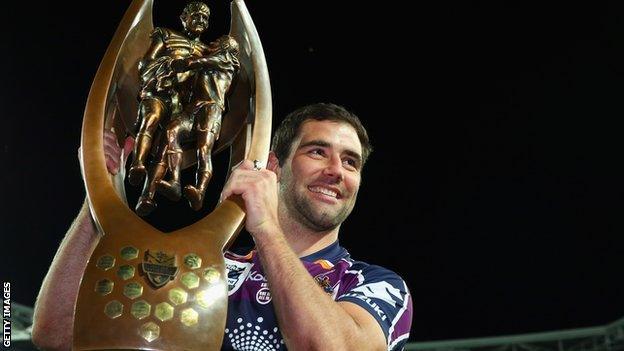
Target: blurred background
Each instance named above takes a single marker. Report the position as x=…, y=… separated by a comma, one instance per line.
x=495, y=187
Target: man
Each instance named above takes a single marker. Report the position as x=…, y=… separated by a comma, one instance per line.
x=298, y=289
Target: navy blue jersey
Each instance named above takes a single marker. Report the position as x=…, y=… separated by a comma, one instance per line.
x=252, y=324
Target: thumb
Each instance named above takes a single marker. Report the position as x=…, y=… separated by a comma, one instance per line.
x=128, y=145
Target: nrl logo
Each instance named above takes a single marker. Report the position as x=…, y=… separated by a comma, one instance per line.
x=159, y=267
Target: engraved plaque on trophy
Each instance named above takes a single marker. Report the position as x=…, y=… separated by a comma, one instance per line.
x=144, y=289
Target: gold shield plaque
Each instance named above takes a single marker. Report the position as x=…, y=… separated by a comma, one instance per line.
x=159, y=267
x=128, y=301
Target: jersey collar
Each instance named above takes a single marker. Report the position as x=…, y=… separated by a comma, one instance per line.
x=333, y=252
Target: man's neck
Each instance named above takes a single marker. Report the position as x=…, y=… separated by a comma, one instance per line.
x=304, y=241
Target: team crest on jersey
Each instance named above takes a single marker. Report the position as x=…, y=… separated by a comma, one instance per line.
x=159, y=267
x=237, y=272
x=324, y=282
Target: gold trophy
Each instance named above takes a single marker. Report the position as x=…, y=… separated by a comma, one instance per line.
x=144, y=289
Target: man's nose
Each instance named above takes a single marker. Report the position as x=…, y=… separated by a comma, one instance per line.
x=333, y=168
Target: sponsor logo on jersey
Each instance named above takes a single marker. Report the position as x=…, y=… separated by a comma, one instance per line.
x=374, y=306
x=380, y=291
x=256, y=277
x=263, y=296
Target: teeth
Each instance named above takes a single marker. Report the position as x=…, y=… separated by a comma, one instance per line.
x=324, y=191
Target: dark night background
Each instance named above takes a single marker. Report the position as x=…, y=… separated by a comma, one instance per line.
x=495, y=188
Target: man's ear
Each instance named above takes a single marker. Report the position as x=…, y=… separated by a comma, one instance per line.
x=273, y=164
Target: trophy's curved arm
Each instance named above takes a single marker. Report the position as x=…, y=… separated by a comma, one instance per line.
x=261, y=135
x=227, y=219
x=102, y=105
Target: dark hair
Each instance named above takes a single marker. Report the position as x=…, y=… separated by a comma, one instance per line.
x=290, y=126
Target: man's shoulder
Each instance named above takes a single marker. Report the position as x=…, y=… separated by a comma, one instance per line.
x=363, y=280
x=384, y=294
x=373, y=272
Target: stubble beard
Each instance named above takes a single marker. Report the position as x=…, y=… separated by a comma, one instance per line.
x=303, y=210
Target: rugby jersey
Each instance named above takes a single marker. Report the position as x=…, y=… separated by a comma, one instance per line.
x=252, y=323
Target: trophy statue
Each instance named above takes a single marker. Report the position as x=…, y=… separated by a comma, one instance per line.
x=184, y=83
x=144, y=289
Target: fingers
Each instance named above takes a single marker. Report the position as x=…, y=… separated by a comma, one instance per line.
x=127, y=149
x=112, y=152
x=112, y=165
x=227, y=188
x=258, y=189
x=240, y=171
x=128, y=145
x=244, y=164
x=109, y=134
x=245, y=179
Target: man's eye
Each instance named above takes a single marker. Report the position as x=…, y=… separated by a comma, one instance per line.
x=350, y=162
x=317, y=152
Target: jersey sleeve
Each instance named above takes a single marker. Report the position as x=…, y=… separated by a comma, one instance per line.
x=384, y=295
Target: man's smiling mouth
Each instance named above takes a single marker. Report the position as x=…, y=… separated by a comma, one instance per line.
x=324, y=191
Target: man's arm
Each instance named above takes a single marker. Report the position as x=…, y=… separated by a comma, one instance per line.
x=308, y=317
x=54, y=310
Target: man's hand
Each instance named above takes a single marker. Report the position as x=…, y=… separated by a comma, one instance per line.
x=54, y=311
x=258, y=188
x=113, y=153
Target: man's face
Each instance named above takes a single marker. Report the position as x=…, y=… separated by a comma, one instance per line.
x=319, y=181
x=196, y=22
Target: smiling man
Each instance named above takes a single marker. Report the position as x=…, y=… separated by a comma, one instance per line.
x=299, y=288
